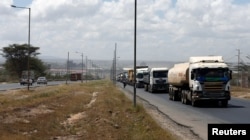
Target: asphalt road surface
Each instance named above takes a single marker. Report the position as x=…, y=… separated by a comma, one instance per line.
x=197, y=118
x=8, y=86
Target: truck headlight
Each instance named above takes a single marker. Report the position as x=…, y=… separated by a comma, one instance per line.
x=197, y=87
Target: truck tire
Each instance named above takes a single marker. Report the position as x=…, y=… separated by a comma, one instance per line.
x=175, y=97
x=170, y=97
x=171, y=92
x=150, y=89
x=185, y=98
x=194, y=103
x=224, y=103
x=182, y=98
x=146, y=87
x=186, y=101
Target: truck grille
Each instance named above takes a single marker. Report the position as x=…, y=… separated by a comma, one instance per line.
x=160, y=81
x=213, y=86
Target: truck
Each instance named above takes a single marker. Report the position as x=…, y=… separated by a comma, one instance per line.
x=75, y=76
x=156, y=79
x=124, y=77
x=130, y=80
x=27, y=77
x=139, y=76
x=203, y=78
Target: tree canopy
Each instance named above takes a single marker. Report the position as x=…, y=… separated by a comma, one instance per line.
x=17, y=57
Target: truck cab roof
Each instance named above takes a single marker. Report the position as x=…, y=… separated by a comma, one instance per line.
x=159, y=69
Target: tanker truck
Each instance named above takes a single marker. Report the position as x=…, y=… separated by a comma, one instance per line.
x=139, y=76
x=202, y=79
x=155, y=79
x=130, y=77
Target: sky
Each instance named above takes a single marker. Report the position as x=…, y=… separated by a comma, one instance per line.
x=167, y=30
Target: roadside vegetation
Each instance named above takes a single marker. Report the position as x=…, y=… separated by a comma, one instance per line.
x=240, y=92
x=92, y=110
x=17, y=56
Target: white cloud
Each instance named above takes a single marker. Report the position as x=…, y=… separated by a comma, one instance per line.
x=166, y=29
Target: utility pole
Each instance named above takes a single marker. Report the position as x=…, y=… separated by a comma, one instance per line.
x=238, y=73
x=115, y=66
x=82, y=66
x=135, y=55
x=28, y=63
x=67, y=73
x=86, y=71
x=82, y=70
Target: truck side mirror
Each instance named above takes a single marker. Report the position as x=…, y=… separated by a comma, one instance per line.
x=230, y=74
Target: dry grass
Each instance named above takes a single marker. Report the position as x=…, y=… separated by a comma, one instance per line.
x=91, y=111
x=240, y=92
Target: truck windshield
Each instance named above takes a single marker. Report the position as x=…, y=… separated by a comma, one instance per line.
x=160, y=74
x=212, y=74
x=139, y=75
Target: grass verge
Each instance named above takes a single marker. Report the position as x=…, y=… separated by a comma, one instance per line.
x=93, y=110
x=240, y=92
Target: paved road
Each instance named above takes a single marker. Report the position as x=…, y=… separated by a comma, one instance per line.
x=197, y=118
x=8, y=86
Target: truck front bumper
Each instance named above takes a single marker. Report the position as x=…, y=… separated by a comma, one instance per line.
x=211, y=96
x=140, y=84
x=160, y=87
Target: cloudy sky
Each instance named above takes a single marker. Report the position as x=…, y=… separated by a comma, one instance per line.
x=168, y=30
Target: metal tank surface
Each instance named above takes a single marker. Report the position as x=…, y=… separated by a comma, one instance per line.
x=178, y=75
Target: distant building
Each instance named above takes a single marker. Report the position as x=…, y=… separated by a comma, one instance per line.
x=63, y=72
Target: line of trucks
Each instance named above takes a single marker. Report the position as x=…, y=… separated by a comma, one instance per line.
x=201, y=79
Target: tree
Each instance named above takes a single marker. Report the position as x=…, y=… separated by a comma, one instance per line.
x=17, y=59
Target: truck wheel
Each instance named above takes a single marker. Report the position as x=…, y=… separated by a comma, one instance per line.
x=182, y=98
x=170, y=93
x=186, y=100
x=150, y=89
x=145, y=87
x=224, y=103
x=194, y=103
x=174, y=97
x=170, y=97
x=167, y=90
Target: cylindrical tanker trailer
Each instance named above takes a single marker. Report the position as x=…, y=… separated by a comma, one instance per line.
x=179, y=75
x=203, y=78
